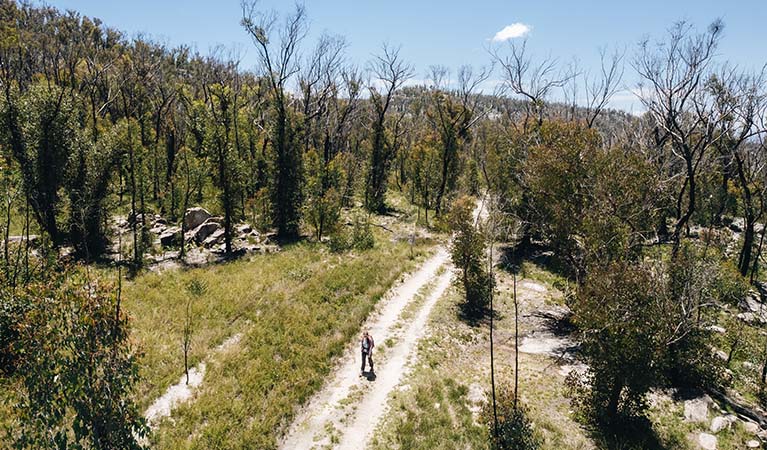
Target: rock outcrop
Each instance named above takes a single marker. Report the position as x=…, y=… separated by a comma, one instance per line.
x=194, y=217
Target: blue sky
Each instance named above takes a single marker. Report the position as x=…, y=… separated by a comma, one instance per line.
x=450, y=32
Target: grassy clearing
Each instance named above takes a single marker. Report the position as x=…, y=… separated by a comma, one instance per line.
x=296, y=309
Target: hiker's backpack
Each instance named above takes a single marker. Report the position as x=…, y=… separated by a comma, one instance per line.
x=369, y=342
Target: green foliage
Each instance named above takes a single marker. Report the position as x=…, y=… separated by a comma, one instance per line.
x=88, y=187
x=626, y=330
x=287, y=170
x=515, y=431
x=13, y=308
x=641, y=327
x=467, y=251
x=362, y=234
x=438, y=418
x=423, y=168
x=323, y=200
x=590, y=204
x=75, y=366
x=39, y=127
x=360, y=237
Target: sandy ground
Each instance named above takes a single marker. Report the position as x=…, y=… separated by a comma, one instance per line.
x=182, y=392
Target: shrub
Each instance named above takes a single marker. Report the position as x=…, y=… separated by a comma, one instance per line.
x=362, y=234
x=78, y=368
x=515, y=431
x=640, y=326
x=468, y=254
x=360, y=237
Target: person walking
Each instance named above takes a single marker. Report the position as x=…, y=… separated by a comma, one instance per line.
x=367, y=345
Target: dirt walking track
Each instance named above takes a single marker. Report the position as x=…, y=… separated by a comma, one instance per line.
x=344, y=413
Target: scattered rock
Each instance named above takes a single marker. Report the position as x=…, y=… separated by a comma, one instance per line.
x=719, y=423
x=715, y=329
x=121, y=222
x=216, y=237
x=752, y=303
x=722, y=355
x=138, y=218
x=157, y=229
x=244, y=228
x=194, y=217
x=707, y=441
x=696, y=410
x=751, y=427
x=750, y=317
x=753, y=444
x=533, y=286
x=270, y=237
x=66, y=251
x=200, y=233
x=34, y=240
x=171, y=236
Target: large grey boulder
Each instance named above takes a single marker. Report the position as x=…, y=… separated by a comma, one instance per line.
x=244, y=228
x=707, y=441
x=202, y=232
x=171, y=236
x=720, y=423
x=696, y=410
x=194, y=217
x=751, y=427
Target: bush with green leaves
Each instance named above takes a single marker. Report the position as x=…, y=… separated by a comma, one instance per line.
x=641, y=326
x=324, y=180
x=515, y=431
x=362, y=234
x=75, y=365
x=360, y=237
x=467, y=251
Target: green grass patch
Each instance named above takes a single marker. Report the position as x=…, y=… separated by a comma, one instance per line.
x=296, y=309
x=435, y=416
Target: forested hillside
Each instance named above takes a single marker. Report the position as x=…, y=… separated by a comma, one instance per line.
x=160, y=202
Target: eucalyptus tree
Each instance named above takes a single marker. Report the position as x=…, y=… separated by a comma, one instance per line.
x=674, y=74
x=389, y=73
x=452, y=113
x=277, y=47
x=740, y=107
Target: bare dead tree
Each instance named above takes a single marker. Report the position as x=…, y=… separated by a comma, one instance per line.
x=318, y=82
x=389, y=72
x=530, y=80
x=740, y=103
x=673, y=91
x=601, y=88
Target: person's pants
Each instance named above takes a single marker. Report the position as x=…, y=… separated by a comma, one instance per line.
x=369, y=357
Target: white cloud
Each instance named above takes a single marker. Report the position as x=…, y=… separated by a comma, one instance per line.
x=512, y=31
